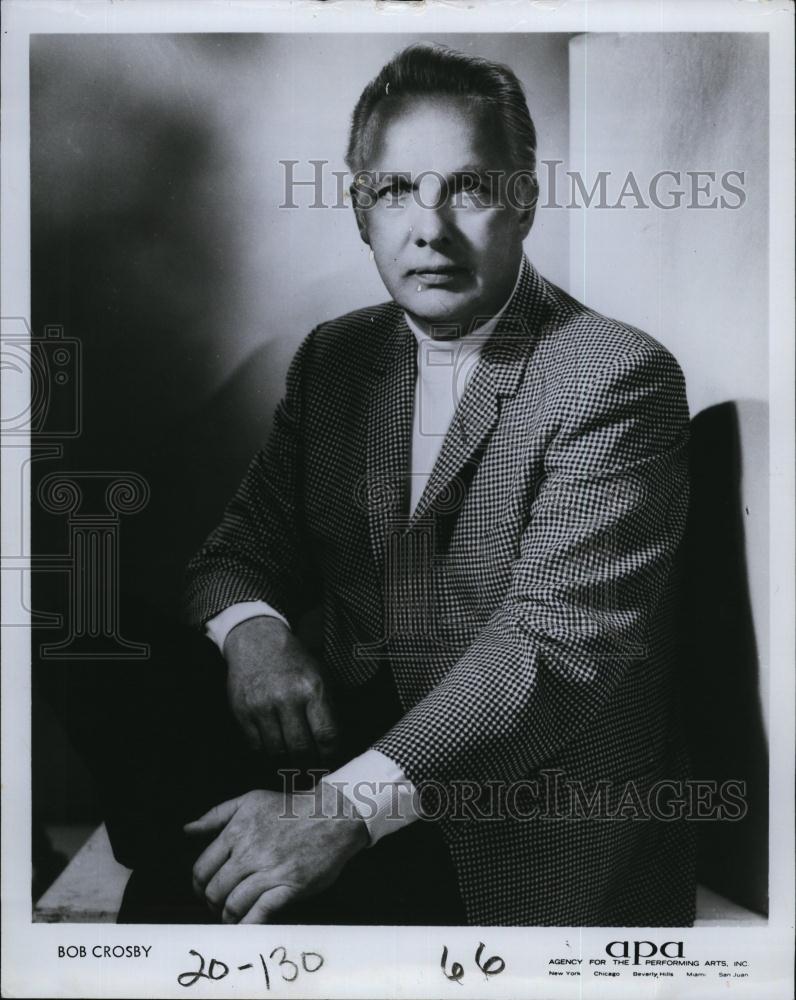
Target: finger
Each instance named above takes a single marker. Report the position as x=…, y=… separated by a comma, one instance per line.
x=321, y=720
x=222, y=883
x=271, y=738
x=251, y=734
x=299, y=742
x=245, y=720
x=244, y=896
x=215, y=819
x=268, y=904
x=208, y=863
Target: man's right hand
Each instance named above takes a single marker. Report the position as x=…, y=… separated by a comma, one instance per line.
x=277, y=692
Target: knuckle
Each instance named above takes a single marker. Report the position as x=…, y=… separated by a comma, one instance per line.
x=213, y=896
x=297, y=696
x=260, y=701
x=314, y=685
x=325, y=733
x=278, y=701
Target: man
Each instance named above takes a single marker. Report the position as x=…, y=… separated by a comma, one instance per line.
x=483, y=484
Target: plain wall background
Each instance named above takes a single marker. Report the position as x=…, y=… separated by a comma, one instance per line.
x=697, y=280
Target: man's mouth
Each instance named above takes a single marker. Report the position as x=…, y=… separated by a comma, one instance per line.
x=440, y=275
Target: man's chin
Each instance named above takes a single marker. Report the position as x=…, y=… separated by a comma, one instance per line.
x=432, y=308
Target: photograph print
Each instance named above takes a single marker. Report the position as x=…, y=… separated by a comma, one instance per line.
x=398, y=478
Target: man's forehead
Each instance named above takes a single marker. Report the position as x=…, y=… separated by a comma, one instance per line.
x=433, y=132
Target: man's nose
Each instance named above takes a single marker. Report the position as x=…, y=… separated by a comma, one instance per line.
x=430, y=221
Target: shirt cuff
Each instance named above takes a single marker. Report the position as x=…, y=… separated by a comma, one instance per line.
x=379, y=791
x=218, y=628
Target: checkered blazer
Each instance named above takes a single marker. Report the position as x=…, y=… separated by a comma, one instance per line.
x=525, y=607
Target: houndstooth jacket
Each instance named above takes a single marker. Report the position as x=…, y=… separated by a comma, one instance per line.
x=525, y=607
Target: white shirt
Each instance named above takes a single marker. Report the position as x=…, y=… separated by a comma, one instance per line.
x=378, y=788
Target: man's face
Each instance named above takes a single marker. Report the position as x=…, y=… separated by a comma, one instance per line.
x=446, y=254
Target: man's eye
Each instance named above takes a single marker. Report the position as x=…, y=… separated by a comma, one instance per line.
x=394, y=188
x=468, y=186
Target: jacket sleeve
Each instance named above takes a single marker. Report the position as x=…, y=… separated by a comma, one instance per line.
x=258, y=552
x=591, y=566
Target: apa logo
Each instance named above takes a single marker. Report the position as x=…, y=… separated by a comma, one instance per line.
x=621, y=949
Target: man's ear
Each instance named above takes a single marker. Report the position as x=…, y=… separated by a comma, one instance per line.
x=527, y=216
x=361, y=217
x=526, y=205
x=522, y=195
x=363, y=198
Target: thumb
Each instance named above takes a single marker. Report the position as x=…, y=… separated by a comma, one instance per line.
x=214, y=820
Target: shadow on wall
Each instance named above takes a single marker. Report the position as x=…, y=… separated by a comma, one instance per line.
x=721, y=681
x=128, y=255
x=195, y=470
x=133, y=254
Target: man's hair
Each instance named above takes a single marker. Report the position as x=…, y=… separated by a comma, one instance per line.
x=423, y=70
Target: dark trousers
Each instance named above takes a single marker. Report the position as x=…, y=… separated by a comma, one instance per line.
x=166, y=749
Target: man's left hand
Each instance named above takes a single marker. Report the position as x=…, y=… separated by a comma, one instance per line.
x=271, y=849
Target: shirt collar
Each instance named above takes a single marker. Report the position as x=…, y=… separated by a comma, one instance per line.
x=479, y=334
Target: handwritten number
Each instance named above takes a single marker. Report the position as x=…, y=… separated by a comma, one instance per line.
x=191, y=977
x=489, y=966
x=456, y=972
x=286, y=961
x=311, y=961
x=217, y=970
x=222, y=965
x=493, y=965
x=311, y=954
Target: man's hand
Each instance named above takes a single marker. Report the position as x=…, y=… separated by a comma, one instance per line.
x=272, y=849
x=277, y=693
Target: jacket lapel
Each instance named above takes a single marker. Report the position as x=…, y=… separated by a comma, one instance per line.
x=389, y=434
x=496, y=376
